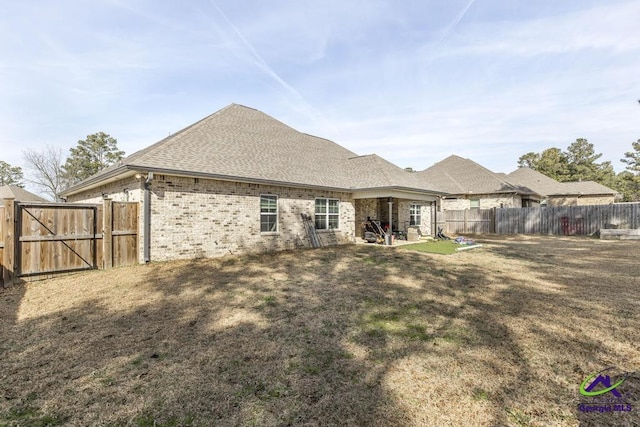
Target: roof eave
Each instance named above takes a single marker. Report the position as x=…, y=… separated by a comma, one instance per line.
x=129, y=170
x=96, y=181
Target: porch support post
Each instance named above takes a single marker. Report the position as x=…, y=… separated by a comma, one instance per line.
x=390, y=232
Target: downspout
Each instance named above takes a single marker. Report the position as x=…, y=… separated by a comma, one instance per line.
x=147, y=218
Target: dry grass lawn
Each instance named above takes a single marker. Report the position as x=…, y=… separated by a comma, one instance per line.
x=351, y=335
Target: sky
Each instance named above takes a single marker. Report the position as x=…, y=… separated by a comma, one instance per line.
x=412, y=81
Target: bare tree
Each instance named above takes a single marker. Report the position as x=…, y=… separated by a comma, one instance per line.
x=45, y=170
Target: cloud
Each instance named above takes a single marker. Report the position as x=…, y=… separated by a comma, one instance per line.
x=410, y=81
x=606, y=27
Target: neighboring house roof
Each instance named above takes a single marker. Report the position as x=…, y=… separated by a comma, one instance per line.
x=547, y=186
x=19, y=194
x=589, y=188
x=538, y=182
x=456, y=175
x=241, y=143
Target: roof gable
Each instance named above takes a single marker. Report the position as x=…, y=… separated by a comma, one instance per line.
x=548, y=186
x=535, y=180
x=456, y=175
x=19, y=194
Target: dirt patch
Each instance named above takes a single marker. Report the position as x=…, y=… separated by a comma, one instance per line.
x=351, y=335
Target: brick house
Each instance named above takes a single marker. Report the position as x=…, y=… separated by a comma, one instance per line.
x=468, y=185
x=563, y=193
x=240, y=180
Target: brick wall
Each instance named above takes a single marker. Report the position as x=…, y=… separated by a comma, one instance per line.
x=579, y=200
x=425, y=214
x=595, y=200
x=193, y=218
x=487, y=201
x=125, y=190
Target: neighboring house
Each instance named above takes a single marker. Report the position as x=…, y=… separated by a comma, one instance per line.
x=563, y=193
x=239, y=181
x=18, y=194
x=469, y=185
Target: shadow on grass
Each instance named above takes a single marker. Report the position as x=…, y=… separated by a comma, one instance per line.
x=337, y=336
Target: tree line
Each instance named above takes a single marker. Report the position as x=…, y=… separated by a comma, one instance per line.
x=579, y=162
x=51, y=172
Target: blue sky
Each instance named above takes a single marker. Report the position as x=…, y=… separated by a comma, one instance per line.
x=412, y=81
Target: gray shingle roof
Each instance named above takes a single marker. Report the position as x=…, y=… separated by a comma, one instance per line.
x=455, y=175
x=242, y=143
x=538, y=182
x=547, y=186
x=372, y=171
x=19, y=194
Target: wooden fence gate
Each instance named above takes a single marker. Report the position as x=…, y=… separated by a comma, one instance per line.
x=55, y=238
x=50, y=238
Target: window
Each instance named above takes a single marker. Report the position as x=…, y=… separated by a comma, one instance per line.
x=414, y=215
x=327, y=214
x=475, y=203
x=268, y=214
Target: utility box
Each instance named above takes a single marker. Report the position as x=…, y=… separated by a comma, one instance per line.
x=413, y=235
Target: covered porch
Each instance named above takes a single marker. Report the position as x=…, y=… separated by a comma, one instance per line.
x=399, y=213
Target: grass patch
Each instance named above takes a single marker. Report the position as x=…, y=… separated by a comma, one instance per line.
x=374, y=337
x=443, y=247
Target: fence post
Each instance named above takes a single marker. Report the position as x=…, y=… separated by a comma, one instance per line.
x=8, y=261
x=492, y=220
x=107, y=233
x=465, y=221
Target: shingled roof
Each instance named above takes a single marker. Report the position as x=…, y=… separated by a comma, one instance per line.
x=547, y=186
x=19, y=194
x=372, y=171
x=456, y=175
x=241, y=143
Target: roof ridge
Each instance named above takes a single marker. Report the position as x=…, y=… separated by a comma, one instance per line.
x=166, y=139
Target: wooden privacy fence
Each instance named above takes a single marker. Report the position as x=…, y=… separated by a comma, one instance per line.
x=469, y=221
x=49, y=238
x=561, y=220
x=567, y=220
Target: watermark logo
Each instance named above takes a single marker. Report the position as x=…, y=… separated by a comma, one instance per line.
x=605, y=381
x=604, y=391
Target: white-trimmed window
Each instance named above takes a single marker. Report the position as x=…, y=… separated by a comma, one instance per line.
x=414, y=214
x=268, y=213
x=475, y=203
x=327, y=214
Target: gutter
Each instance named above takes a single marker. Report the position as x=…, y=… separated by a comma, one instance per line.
x=131, y=168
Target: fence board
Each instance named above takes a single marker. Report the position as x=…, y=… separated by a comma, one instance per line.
x=124, y=233
x=567, y=220
x=469, y=221
x=561, y=220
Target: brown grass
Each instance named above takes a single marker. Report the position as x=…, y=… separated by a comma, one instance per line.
x=353, y=335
